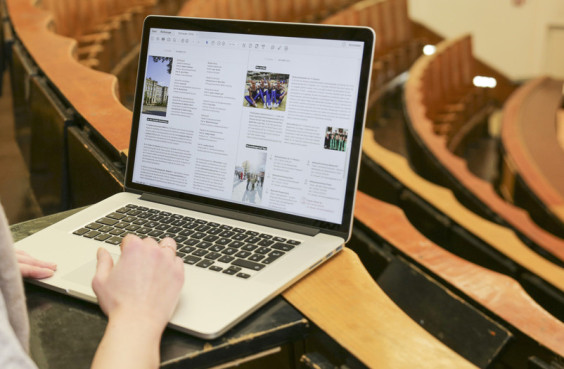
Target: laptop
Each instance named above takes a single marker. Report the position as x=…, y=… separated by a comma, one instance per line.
x=245, y=148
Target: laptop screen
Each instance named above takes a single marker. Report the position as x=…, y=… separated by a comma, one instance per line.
x=262, y=122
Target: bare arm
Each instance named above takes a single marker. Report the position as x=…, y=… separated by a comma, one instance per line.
x=139, y=295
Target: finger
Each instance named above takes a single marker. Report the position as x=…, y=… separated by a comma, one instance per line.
x=168, y=242
x=128, y=240
x=24, y=258
x=104, y=265
x=35, y=272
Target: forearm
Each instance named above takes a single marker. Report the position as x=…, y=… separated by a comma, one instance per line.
x=128, y=344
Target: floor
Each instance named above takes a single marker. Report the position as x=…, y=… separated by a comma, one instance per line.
x=16, y=195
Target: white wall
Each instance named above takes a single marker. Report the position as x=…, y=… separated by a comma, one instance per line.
x=520, y=41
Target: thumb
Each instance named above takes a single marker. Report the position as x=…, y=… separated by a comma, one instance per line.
x=103, y=267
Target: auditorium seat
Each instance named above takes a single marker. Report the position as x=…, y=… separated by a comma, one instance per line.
x=442, y=218
x=435, y=124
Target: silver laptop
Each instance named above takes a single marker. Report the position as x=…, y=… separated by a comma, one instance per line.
x=245, y=148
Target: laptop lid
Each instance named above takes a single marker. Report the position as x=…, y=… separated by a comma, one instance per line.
x=254, y=120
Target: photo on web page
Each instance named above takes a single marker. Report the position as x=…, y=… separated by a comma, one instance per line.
x=248, y=180
x=266, y=90
x=157, y=81
x=336, y=139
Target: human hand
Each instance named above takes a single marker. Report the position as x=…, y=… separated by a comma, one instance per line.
x=144, y=286
x=31, y=267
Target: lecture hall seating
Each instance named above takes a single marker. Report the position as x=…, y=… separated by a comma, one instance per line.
x=499, y=294
x=387, y=175
x=430, y=146
x=532, y=174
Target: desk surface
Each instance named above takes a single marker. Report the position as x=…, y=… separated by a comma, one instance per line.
x=65, y=332
x=339, y=297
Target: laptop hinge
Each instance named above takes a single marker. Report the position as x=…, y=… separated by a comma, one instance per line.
x=232, y=214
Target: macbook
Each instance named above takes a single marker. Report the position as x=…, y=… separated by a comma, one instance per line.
x=245, y=148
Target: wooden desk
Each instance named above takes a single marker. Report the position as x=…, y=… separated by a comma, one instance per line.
x=340, y=298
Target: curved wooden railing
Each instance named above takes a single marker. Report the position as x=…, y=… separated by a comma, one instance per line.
x=453, y=169
x=532, y=152
x=498, y=293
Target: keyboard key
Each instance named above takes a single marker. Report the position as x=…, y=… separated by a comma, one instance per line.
x=91, y=234
x=243, y=275
x=201, y=221
x=282, y=246
x=203, y=228
x=271, y=258
x=81, y=231
x=180, y=239
x=191, y=242
x=134, y=213
x=152, y=224
x=256, y=257
x=107, y=221
x=155, y=233
x=175, y=229
x=252, y=233
x=276, y=254
x=216, y=248
x=117, y=216
x=215, y=268
x=265, y=243
x=94, y=226
x=223, y=241
x=265, y=236
x=106, y=229
x=122, y=225
x=204, y=245
x=238, y=230
x=191, y=260
x=131, y=206
x=293, y=242
x=232, y=270
x=225, y=226
x=180, y=254
x=187, y=249
x=200, y=252
x=263, y=250
x=213, y=255
x=162, y=227
x=144, y=230
x=253, y=239
x=140, y=221
x=114, y=240
x=211, y=238
x=236, y=244
x=179, y=223
x=240, y=237
x=198, y=235
x=227, y=234
x=102, y=237
x=249, y=247
x=279, y=239
x=226, y=259
x=213, y=224
x=186, y=232
x=229, y=251
x=243, y=254
x=117, y=232
x=248, y=264
x=129, y=219
x=215, y=231
x=204, y=263
x=132, y=227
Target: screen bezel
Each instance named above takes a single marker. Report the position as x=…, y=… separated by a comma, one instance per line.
x=329, y=32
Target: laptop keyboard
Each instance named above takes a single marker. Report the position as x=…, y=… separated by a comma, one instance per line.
x=217, y=247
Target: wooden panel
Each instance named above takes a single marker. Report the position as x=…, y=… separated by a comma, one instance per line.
x=92, y=175
x=344, y=301
x=49, y=121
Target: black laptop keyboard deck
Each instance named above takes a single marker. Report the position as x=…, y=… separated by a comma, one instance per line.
x=217, y=247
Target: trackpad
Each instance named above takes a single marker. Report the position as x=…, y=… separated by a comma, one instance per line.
x=83, y=274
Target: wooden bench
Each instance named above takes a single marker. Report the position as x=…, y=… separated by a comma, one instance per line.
x=532, y=174
x=492, y=244
x=430, y=154
x=500, y=295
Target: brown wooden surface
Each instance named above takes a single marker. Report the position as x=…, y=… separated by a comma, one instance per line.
x=529, y=138
x=344, y=301
x=86, y=90
x=482, y=190
x=499, y=293
x=500, y=238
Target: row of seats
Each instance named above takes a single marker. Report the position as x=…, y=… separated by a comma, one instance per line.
x=450, y=98
x=430, y=151
x=396, y=45
x=106, y=31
